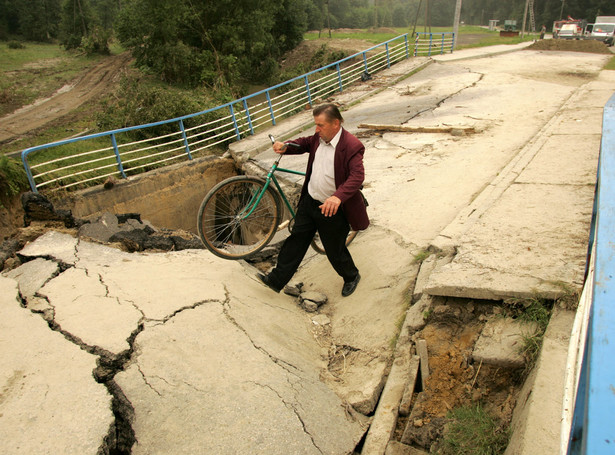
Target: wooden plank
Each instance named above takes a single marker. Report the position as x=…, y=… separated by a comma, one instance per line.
x=406, y=400
x=418, y=129
x=421, y=350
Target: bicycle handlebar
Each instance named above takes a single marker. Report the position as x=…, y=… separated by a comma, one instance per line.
x=286, y=144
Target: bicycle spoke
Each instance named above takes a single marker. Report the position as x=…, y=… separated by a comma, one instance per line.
x=238, y=218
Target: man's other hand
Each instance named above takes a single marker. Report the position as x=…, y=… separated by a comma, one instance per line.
x=330, y=206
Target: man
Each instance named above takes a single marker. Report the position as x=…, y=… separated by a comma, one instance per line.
x=330, y=201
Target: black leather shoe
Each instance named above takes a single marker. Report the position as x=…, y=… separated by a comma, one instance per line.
x=267, y=282
x=351, y=286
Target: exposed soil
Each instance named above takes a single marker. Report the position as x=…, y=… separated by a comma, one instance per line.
x=591, y=46
x=451, y=332
x=303, y=53
x=88, y=86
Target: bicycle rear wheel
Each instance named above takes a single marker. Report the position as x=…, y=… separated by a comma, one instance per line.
x=317, y=244
x=228, y=223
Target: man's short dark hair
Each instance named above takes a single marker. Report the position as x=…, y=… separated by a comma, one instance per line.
x=330, y=110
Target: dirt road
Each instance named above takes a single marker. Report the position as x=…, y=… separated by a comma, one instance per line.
x=88, y=86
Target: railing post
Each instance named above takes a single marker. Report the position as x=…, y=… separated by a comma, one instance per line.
x=442, y=45
x=386, y=46
x=339, y=75
x=416, y=44
x=430, y=44
x=230, y=106
x=453, y=43
x=183, y=130
x=247, y=111
x=365, y=62
x=270, y=107
x=28, y=173
x=117, y=156
x=406, y=43
x=307, y=89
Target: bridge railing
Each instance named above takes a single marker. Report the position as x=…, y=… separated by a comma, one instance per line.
x=87, y=160
x=589, y=401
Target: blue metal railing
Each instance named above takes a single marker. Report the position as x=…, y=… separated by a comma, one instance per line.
x=92, y=158
x=591, y=431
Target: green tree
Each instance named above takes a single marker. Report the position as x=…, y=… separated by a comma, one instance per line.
x=34, y=20
x=75, y=23
x=200, y=41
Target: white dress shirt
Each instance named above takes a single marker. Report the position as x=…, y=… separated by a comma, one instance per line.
x=322, y=181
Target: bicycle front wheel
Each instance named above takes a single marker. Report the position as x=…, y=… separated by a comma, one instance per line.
x=233, y=223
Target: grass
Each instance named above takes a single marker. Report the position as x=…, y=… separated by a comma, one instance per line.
x=13, y=179
x=36, y=71
x=535, y=311
x=610, y=64
x=490, y=38
x=472, y=431
x=421, y=256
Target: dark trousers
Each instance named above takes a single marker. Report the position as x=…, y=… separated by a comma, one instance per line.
x=333, y=231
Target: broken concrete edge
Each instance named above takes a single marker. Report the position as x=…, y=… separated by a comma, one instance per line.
x=382, y=427
x=125, y=229
x=536, y=422
x=383, y=424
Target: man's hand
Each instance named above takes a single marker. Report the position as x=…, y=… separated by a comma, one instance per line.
x=330, y=206
x=279, y=147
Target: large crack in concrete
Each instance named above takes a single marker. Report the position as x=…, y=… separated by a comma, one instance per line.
x=433, y=107
x=226, y=306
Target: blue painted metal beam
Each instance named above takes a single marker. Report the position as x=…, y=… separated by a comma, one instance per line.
x=593, y=431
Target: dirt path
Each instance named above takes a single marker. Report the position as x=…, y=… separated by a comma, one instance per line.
x=89, y=85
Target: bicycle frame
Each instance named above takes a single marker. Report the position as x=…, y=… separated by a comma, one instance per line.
x=271, y=177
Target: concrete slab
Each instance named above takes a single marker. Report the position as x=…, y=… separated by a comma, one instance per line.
x=200, y=402
x=546, y=196
x=501, y=342
x=49, y=401
x=360, y=325
x=198, y=318
x=551, y=165
x=32, y=275
x=55, y=245
x=499, y=256
x=83, y=308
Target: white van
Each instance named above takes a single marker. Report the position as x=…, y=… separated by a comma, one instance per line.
x=604, y=33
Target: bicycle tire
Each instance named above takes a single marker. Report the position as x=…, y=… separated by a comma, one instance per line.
x=317, y=244
x=221, y=226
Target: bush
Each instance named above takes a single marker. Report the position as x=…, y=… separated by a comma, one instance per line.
x=13, y=179
x=96, y=42
x=15, y=45
x=138, y=102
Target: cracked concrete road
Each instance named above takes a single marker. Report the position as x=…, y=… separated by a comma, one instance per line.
x=204, y=354
x=184, y=352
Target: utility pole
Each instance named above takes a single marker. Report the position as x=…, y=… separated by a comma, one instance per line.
x=456, y=20
x=328, y=18
x=561, y=11
x=524, y=18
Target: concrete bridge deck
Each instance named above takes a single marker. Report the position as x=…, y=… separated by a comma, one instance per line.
x=193, y=355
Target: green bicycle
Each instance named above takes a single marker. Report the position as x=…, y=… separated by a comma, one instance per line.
x=241, y=215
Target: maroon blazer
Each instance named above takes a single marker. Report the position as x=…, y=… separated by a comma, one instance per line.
x=349, y=174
